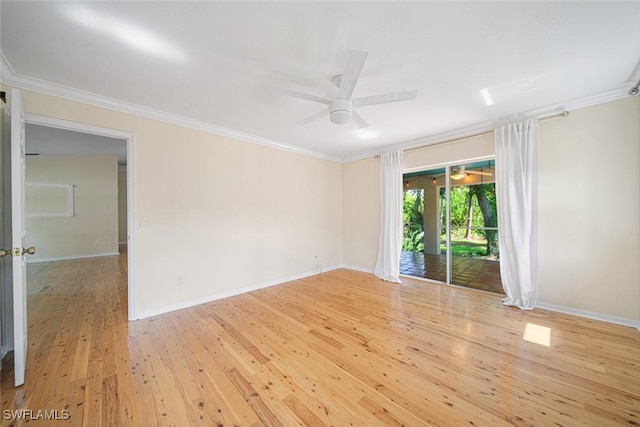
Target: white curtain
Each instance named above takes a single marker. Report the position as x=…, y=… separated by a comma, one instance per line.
x=517, y=202
x=391, y=194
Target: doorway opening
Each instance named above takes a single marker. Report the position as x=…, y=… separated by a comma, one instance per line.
x=451, y=226
x=48, y=137
x=65, y=188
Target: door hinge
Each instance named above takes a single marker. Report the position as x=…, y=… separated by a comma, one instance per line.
x=16, y=252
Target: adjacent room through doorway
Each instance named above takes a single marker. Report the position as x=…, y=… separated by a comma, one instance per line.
x=85, y=174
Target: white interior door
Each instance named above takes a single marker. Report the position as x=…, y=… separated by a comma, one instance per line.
x=19, y=265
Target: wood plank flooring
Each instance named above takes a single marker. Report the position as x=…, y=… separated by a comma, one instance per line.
x=342, y=348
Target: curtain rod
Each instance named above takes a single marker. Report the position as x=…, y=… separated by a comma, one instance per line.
x=564, y=113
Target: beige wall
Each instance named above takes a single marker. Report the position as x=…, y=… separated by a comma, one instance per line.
x=361, y=193
x=589, y=198
x=224, y=214
x=361, y=212
x=232, y=215
x=589, y=217
x=93, y=230
x=461, y=150
x=122, y=206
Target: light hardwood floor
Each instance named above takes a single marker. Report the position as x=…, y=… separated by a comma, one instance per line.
x=341, y=348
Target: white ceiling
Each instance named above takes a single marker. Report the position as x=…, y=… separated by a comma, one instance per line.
x=221, y=64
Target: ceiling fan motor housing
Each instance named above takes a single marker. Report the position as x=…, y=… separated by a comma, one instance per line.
x=340, y=111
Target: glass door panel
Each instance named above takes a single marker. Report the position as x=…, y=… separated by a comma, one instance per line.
x=475, y=258
x=423, y=214
x=465, y=211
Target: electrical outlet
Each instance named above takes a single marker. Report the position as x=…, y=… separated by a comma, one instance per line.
x=179, y=281
x=145, y=222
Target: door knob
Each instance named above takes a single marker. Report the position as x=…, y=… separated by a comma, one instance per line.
x=5, y=252
x=31, y=250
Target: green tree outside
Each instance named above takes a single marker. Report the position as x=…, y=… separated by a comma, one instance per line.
x=473, y=207
x=412, y=213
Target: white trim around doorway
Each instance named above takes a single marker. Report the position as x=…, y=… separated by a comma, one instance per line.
x=131, y=230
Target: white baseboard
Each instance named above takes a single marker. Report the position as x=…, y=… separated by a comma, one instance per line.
x=551, y=307
x=229, y=293
x=356, y=268
x=66, y=258
x=590, y=315
x=332, y=267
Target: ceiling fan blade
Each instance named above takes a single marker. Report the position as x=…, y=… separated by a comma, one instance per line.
x=306, y=96
x=359, y=120
x=387, y=97
x=314, y=117
x=351, y=73
x=480, y=173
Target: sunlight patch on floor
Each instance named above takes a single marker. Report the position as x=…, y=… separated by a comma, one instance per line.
x=537, y=334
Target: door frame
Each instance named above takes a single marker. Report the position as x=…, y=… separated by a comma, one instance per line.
x=6, y=292
x=131, y=229
x=447, y=168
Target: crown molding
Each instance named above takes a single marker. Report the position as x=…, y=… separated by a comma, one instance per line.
x=10, y=77
x=6, y=71
x=490, y=125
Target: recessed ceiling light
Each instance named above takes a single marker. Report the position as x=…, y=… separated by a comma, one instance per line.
x=367, y=133
x=486, y=95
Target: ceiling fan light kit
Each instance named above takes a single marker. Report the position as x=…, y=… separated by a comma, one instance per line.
x=460, y=173
x=340, y=109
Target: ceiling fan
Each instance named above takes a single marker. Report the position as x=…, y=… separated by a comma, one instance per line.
x=459, y=173
x=341, y=109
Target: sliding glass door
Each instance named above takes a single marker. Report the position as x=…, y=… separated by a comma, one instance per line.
x=451, y=227
x=423, y=233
